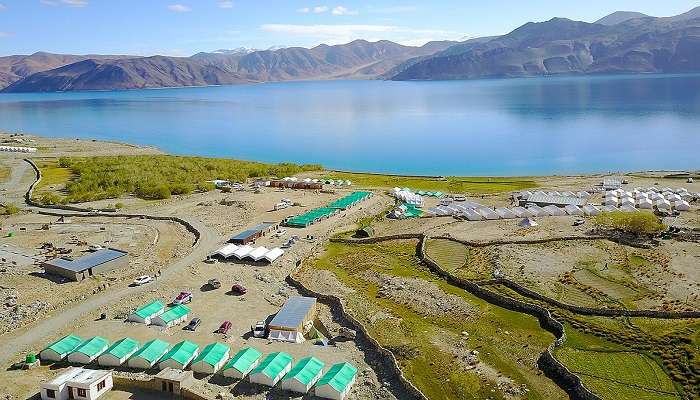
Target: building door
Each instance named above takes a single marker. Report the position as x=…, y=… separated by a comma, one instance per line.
x=170, y=387
x=90, y=271
x=70, y=393
x=165, y=386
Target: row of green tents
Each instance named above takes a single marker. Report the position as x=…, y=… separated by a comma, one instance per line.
x=318, y=214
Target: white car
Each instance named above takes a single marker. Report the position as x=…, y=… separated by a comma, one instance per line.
x=142, y=280
x=95, y=247
x=280, y=233
x=259, y=329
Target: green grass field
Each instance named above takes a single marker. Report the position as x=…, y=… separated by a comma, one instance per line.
x=450, y=255
x=508, y=341
x=619, y=375
x=478, y=185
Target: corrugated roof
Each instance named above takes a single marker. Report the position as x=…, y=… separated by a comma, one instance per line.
x=123, y=347
x=305, y=370
x=151, y=351
x=349, y=200
x=149, y=309
x=293, y=312
x=65, y=344
x=93, y=346
x=181, y=352
x=559, y=200
x=244, y=359
x=252, y=231
x=85, y=262
x=338, y=376
x=174, y=313
x=273, y=364
x=213, y=353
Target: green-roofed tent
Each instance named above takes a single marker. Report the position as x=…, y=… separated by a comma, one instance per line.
x=242, y=363
x=350, y=200
x=147, y=312
x=149, y=354
x=311, y=217
x=303, y=375
x=118, y=353
x=211, y=359
x=60, y=349
x=179, y=356
x=89, y=350
x=272, y=369
x=172, y=317
x=336, y=383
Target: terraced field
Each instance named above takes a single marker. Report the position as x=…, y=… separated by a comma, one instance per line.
x=449, y=254
x=619, y=375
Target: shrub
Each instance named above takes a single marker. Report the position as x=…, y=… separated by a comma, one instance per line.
x=50, y=198
x=181, y=188
x=206, y=187
x=153, y=192
x=9, y=209
x=119, y=206
x=639, y=222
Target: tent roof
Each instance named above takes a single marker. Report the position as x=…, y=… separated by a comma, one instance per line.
x=339, y=376
x=66, y=344
x=293, y=312
x=213, y=353
x=151, y=351
x=93, y=346
x=181, y=352
x=123, y=347
x=244, y=359
x=305, y=370
x=149, y=309
x=274, y=254
x=273, y=364
x=174, y=313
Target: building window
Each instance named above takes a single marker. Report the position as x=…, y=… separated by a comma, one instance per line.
x=81, y=392
x=101, y=385
x=51, y=394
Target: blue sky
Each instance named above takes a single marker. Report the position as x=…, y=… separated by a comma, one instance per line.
x=184, y=27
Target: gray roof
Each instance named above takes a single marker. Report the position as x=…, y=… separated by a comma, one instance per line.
x=87, y=261
x=613, y=183
x=292, y=313
x=252, y=231
x=557, y=200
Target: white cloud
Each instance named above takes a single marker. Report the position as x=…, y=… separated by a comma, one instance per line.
x=6, y=34
x=2, y=7
x=340, y=10
x=330, y=30
x=69, y=3
x=313, y=10
x=179, y=8
x=393, y=9
x=225, y=4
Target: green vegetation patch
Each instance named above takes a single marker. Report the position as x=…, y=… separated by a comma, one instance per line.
x=639, y=222
x=619, y=375
x=4, y=173
x=449, y=254
x=153, y=176
x=448, y=184
x=8, y=209
x=508, y=341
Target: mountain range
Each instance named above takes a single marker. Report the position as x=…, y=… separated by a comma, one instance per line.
x=622, y=42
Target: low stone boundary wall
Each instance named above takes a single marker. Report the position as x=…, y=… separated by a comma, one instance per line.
x=407, y=390
x=564, y=378
x=379, y=239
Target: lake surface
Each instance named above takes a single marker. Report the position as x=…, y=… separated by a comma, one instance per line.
x=484, y=127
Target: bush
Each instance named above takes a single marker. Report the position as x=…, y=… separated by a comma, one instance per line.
x=181, y=188
x=153, y=192
x=639, y=222
x=206, y=187
x=50, y=198
x=9, y=209
x=119, y=206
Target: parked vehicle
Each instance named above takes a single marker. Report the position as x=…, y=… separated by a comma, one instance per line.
x=192, y=326
x=95, y=247
x=258, y=329
x=238, y=289
x=224, y=327
x=214, y=283
x=460, y=198
x=579, y=222
x=280, y=232
x=288, y=244
x=183, y=298
x=142, y=280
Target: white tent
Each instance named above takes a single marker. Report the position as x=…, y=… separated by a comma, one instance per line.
x=584, y=195
x=242, y=252
x=505, y=213
x=487, y=213
x=258, y=253
x=641, y=195
x=525, y=194
x=681, y=205
x=673, y=197
x=568, y=194
x=537, y=211
x=472, y=215
x=211, y=359
x=627, y=208
x=608, y=208
x=554, y=211
x=273, y=254
x=645, y=203
x=554, y=193
x=521, y=212
x=540, y=193
x=227, y=250
x=591, y=210
x=573, y=210
x=627, y=202
x=663, y=204
x=611, y=201
x=527, y=223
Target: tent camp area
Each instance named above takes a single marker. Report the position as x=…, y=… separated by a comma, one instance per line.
x=288, y=324
x=211, y=359
x=102, y=260
x=61, y=348
x=179, y=356
x=147, y=312
x=77, y=383
x=272, y=369
x=172, y=317
x=89, y=350
x=303, y=375
x=337, y=382
x=118, y=353
x=242, y=363
x=149, y=354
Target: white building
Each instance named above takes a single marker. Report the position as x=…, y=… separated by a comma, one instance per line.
x=77, y=383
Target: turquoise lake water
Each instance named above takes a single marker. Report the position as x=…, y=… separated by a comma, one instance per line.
x=483, y=127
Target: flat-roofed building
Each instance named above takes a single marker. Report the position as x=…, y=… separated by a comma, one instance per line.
x=102, y=260
x=559, y=201
x=250, y=235
x=77, y=383
x=288, y=324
